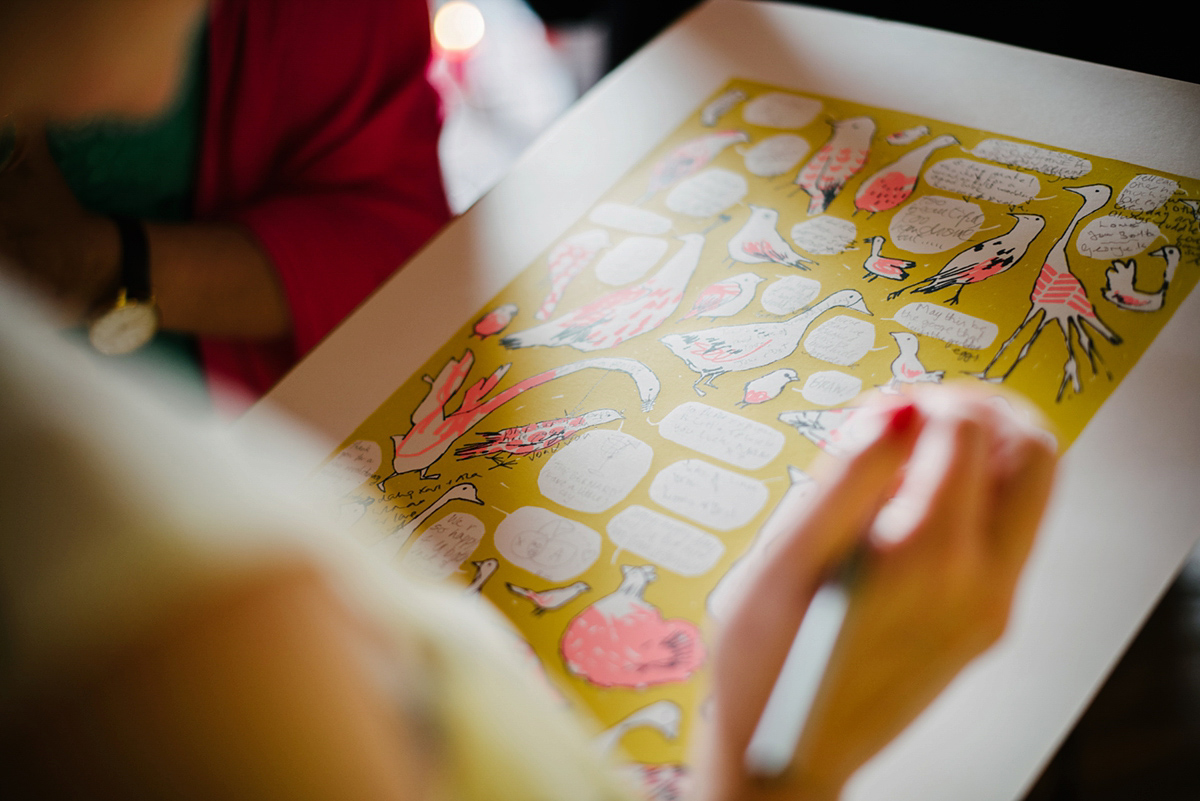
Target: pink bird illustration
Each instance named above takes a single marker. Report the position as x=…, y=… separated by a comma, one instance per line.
x=908, y=135
x=725, y=298
x=1120, y=278
x=548, y=600
x=688, y=159
x=893, y=184
x=767, y=387
x=759, y=242
x=567, y=259
x=622, y=314
x=877, y=265
x=494, y=321
x=622, y=640
x=907, y=368
x=533, y=437
x=838, y=160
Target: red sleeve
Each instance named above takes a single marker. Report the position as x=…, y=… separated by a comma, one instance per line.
x=321, y=138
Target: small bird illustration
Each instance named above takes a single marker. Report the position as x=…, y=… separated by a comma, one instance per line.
x=391, y=543
x=980, y=262
x=758, y=241
x=828, y=429
x=767, y=387
x=688, y=159
x=532, y=437
x=908, y=135
x=494, y=321
x=721, y=106
x=877, y=265
x=567, y=259
x=725, y=298
x=665, y=717
x=483, y=571
x=548, y=600
x=1122, y=275
x=907, y=368
x=837, y=161
x=893, y=184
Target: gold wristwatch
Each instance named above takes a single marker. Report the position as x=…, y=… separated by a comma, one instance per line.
x=132, y=320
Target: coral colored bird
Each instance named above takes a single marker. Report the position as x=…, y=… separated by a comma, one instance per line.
x=567, y=259
x=907, y=368
x=622, y=314
x=980, y=262
x=758, y=241
x=893, y=184
x=533, y=437
x=879, y=266
x=1122, y=275
x=838, y=160
x=548, y=600
x=828, y=429
x=495, y=321
x=725, y=298
x=688, y=159
x=908, y=135
x=767, y=387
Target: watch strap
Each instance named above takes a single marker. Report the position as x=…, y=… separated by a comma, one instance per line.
x=135, y=258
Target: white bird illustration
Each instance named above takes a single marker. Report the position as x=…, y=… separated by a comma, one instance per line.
x=551, y=599
x=712, y=352
x=483, y=571
x=838, y=160
x=725, y=298
x=688, y=159
x=828, y=429
x=567, y=259
x=721, y=106
x=908, y=135
x=767, y=387
x=907, y=368
x=878, y=265
x=1122, y=276
x=391, y=544
x=758, y=241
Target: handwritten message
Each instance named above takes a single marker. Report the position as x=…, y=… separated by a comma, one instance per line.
x=667, y=542
x=776, y=155
x=630, y=259
x=353, y=465
x=445, y=545
x=947, y=325
x=1032, y=157
x=781, y=110
x=709, y=495
x=1114, y=237
x=707, y=193
x=830, y=387
x=790, y=294
x=932, y=224
x=1146, y=192
x=547, y=544
x=840, y=340
x=824, y=235
x=722, y=435
x=595, y=471
x=985, y=181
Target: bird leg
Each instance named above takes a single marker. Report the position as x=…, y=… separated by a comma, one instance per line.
x=1070, y=369
x=1025, y=349
x=954, y=300
x=385, y=481
x=1007, y=342
x=696, y=386
x=500, y=461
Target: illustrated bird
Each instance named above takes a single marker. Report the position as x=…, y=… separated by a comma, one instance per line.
x=758, y=241
x=688, y=159
x=391, y=544
x=837, y=161
x=767, y=387
x=712, y=352
x=828, y=429
x=1058, y=296
x=548, y=600
x=908, y=135
x=621, y=314
x=664, y=716
x=1122, y=276
x=494, y=321
x=877, y=265
x=483, y=571
x=533, y=437
x=892, y=185
x=721, y=106
x=907, y=368
x=566, y=260
x=725, y=298
x=980, y=262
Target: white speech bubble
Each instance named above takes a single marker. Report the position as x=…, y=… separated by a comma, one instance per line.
x=630, y=259
x=1032, y=157
x=723, y=435
x=986, y=181
x=546, y=544
x=1146, y=192
x=710, y=495
x=668, y=542
x=830, y=387
x=353, y=465
x=596, y=471
x=445, y=545
x=840, y=340
x=635, y=220
x=947, y=325
x=933, y=224
x=776, y=155
x=790, y=294
x=824, y=235
x=781, y=110
x=1115, y=237
x=707, y=193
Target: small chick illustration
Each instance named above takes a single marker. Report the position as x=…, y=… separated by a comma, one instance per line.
x=767, y=387
x=725, y=298
x=758, y=241
x=878, y=265
x=1120, y=278
x=907, y=368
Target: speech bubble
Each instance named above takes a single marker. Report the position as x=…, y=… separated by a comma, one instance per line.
x=985, y=181
x=709, y=495
x=1032, y=157
x=776, y=155
x=933, y=224
x=353, y=465
x=707, y=193
x=1146, y=192
x=723, y=435
x=781, y=110
x=840, y=340
x=595, y=471
x=635, y=220
x=824, y=235
x=790, y=294
x=630, y=259
x=830, y=387
x=547, y=544
x=445, y=545
x=1114, y=237
x=947, y=325
x=668, y=542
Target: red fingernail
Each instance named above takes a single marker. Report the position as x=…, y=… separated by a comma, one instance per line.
x=901, y=420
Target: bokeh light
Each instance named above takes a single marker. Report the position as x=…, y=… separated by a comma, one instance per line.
x=458, y=27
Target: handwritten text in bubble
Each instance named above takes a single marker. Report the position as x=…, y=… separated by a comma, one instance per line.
x=710, y=495
x=933, y=224
x=841, y=340
x=776, y=155
x=707, y=193
x=830, y=387
x=630, y=259
x=596, y=471
x=445, y=545
x=630, y=218
x=353, y=465
x=722, y=435
x=547, y=544
x=668, y=542
x=790, y=294
x=1115, y=237
x=986, y=181
x=1032, y=157
x=947, y=325
x=824, y=235
x=781, y=110
x=1146, y=192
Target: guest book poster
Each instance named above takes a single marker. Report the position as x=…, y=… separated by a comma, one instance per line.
x=596, y=450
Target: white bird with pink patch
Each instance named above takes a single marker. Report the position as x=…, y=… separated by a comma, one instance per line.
x=688, y=159
x=725, y=298
x=567, y=260
x=759, y=242
x=907, y=368
x=879, y=266
x=767, y=387
x=838, y=160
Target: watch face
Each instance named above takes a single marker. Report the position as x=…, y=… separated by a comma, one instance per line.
x=124, y=329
